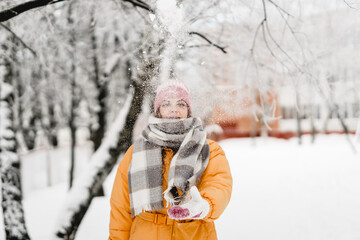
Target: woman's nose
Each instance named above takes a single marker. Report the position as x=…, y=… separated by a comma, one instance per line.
x=174, y=109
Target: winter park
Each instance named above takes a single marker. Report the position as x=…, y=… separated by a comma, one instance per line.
x=179, y=119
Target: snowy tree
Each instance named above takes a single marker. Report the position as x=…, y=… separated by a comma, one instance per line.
x=9, y=160
x=147, y=61
x=142, y=51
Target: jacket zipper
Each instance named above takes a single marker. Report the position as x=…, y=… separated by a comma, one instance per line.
x=172, y=230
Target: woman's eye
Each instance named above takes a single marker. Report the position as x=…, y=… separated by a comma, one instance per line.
x=165, y=105
x=182, y=105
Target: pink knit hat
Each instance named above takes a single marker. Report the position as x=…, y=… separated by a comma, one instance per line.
x=172, y=89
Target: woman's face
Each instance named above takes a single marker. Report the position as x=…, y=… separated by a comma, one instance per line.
x=173, y=108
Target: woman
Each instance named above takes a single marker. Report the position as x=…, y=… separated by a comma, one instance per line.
x=173, y=182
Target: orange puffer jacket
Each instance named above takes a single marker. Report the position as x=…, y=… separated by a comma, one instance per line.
x=215, y=186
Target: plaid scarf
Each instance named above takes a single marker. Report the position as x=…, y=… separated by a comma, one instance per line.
x=187, y=165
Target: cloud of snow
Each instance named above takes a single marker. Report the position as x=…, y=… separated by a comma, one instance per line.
x=169, y=19
x=170, y=16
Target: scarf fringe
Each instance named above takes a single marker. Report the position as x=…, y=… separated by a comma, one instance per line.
x=147, y=207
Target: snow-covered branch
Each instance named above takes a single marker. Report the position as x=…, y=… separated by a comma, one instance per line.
x=101, y=163
x=23, y=7
x=11, y=194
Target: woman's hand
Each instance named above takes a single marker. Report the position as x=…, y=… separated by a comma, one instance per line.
x=196, y=208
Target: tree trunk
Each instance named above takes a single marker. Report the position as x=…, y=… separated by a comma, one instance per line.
x=313, y=129
x=29, y=133
x=69, y=227
x=72, y=151
x=28, y=128
x=345, y=128
x=298, y=119
x=72, y=125
x=48, y=111
x=52, y=129
x=13, y=212
x=74, y=101
x=97, y=134
x=102, y=87
x=118, y=140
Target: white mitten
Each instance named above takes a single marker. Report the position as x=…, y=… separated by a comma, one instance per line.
x=196, y=208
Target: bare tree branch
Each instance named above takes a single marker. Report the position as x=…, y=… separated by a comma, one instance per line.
x=267, y=44
x=23, y=7
x=258, y=28
x=280, y=48
x=264, y=9
x=197, y=46
x=210, y=42
x=280, y=8
x=19, y=39
x=293, y=33
x=348, y=4
x=256, y=33
x=140, y=4
x=266, y=31
x=201, y=13
x=272, y=38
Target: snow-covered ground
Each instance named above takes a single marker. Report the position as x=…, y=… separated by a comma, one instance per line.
x=284, y=191
x=281, y=191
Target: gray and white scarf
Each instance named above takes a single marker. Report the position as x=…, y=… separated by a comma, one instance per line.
x=145, y=172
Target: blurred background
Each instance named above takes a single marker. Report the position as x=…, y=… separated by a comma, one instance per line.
x=274, y=81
